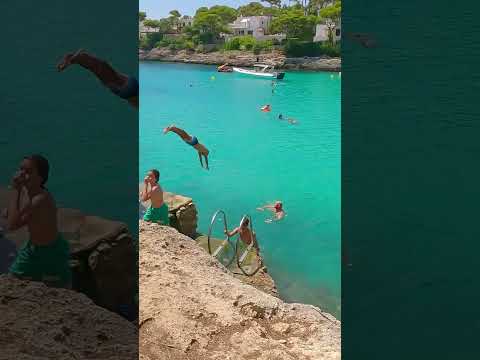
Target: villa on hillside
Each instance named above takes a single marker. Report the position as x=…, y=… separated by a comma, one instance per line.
x=185, y=21
x=321, y=33
x=256, y=26
x=144, y=30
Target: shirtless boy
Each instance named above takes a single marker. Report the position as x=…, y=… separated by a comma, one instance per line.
x=158, y=210
x=45, y=256
x=246, y=235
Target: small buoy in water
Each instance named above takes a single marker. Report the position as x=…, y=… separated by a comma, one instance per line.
x=212, y=78
x=331, y=76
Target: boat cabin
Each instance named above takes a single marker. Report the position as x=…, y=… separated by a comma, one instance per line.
x=263, y=68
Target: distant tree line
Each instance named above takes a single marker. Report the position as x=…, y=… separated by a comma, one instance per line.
x=297, y=21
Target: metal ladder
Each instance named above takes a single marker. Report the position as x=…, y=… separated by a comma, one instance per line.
x=227, y=242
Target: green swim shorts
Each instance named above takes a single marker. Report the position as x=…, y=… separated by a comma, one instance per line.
x=48, y=264
x=158, y=215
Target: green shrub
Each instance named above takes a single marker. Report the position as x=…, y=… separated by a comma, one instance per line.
x=233, y=44
x=248, y=43
x=295, y=48
x=149, y=41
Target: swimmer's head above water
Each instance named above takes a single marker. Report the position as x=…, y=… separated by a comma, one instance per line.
x=278, y=206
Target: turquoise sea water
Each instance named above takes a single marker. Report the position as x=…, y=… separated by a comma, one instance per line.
x=255, y=159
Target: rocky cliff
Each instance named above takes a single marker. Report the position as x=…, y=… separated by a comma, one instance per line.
x=191, y=307
x=244, y=59
x=103, y=257
x=41, y=323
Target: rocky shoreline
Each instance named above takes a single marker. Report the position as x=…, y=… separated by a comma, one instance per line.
x=192, y=307
x=245, y=59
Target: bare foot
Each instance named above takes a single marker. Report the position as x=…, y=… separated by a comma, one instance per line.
x=67, y=60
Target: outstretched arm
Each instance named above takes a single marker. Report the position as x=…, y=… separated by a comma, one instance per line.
x=102, y=70
x=180, y=132
x=231, y=233
x=269, y=207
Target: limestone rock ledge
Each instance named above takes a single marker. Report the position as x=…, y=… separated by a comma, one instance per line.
x=243, y=59
x=40, y=323
x=191, y=307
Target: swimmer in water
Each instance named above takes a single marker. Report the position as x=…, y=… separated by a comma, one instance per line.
x=266, y=108
x=276, y=209
x=290, y=120
x=121, y=85
x=192, y=141
x=246, y=235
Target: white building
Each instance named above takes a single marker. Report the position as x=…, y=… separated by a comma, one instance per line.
x=256, y=26
x=321, y=33
x=143, y=30
x=185, y=21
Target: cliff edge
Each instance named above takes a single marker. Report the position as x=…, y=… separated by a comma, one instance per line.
x=40, y=323
x=191, y=307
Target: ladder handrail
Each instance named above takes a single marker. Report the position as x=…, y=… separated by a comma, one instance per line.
x=212, y=222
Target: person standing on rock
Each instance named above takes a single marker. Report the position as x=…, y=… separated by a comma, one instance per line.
x=192, y=141
x=158, y=210
x=121, y=85
x=45, y=256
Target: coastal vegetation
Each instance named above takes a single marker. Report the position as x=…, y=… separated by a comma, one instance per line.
x=209, y=29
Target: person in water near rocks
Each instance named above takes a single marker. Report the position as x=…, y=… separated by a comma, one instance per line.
x=276, y=208
x=246, y=235
x=121, y=85
x=158, y=210
x=45, y=256
x=192, y=141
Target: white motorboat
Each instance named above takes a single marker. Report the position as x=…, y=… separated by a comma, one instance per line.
x=261, y=70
